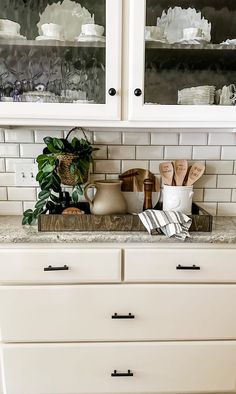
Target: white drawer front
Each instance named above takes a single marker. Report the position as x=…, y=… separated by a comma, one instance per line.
x=62, y=266
x=84, y=313
x=177, y=367
x=180, y=265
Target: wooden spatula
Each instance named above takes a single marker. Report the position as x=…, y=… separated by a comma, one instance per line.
x=180, y=168
x=195, y=173
x=167, y=172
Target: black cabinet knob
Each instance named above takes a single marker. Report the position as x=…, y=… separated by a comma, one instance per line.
x=188, y=267
x=138, y=92
x=112, y=92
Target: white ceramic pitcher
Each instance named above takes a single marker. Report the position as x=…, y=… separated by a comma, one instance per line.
x=108, y=199
x=178, y=198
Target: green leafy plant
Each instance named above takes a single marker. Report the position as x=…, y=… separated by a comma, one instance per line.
x=79, y=152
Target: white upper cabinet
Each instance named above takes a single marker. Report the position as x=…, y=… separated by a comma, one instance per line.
x=176, y=45
x=60, y=72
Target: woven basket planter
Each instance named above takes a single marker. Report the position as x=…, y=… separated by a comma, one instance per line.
x=64, y=173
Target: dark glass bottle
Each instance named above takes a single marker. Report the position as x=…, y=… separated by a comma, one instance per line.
x=148, y=188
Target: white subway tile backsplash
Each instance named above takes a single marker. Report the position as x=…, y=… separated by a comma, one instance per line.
x=107, y=166
x=12, y=163
x=219, y=167
x=112, y=176
x=149, y=152
x=107, y=137
x=222, y=139
x=79, y=134
x=136, y=138
x=17, y=135
x=210, y=207
x=217, y=195
x=165, y=138
x=41, y=134
x=228, y=153
x=21, y=194
x=198, y=195
x=3, y=193
x=154, y=166
x=234, y=195
x=7, y=179
x=121, y=152
x=178, y=152
x=101, y=153
x=206, y=181
x=11, y=208
x=2, y=165
x=9, y=150
x=226, y=181
x=206, y=152
x=31, y=150
x=227, y=209
x=193, y=139
x=97, y=177
x=129, y=164
x=1, y=135
x=29, y=205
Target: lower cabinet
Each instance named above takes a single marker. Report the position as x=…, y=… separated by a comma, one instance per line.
x=105, y=321
x=121, y=312
x=178, y=367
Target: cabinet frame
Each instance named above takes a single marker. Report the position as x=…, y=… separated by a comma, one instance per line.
x=164, y=115
x=40, y=113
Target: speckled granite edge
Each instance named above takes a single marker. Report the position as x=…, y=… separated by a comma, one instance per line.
x=11, y=231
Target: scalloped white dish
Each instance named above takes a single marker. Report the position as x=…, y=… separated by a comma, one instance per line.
x=69, y=15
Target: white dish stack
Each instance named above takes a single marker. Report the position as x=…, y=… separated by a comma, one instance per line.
x=199, y=95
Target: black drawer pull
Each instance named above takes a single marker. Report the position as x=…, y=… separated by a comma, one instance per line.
x=120, y=374
x=50, y=268
x=188, y=267
x=129, y=316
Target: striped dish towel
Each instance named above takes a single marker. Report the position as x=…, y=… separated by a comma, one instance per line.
x=171, y=223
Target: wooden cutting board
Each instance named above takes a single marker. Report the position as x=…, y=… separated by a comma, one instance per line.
x=133, y=180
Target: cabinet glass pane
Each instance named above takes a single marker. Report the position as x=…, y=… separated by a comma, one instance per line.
x=192, y=46
x=47, y=57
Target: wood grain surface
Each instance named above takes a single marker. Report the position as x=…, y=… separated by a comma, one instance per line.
x=202, y=221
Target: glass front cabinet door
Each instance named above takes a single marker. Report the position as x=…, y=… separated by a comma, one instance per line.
x=183, y=62
x=60, y=60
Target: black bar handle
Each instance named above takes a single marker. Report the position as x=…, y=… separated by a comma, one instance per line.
x=188, y=267
x=50, y=268
x=120, y=374
x=129, y=316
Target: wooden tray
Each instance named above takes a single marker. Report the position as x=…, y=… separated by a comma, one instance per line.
x=202, y=221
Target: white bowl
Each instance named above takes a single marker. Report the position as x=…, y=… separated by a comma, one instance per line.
x=90, y=29
x=52, y=30
x=9, y=27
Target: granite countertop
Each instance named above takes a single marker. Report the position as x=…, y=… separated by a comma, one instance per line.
x=11, y=231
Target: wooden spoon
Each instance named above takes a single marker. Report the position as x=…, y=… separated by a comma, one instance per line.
x=181, y=168
x=167, y=172
x=195, y=173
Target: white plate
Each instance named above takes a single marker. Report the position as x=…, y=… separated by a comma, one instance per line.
x=47, y=38
x=11, y=36
x=83, y=38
